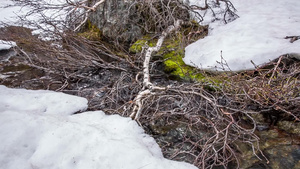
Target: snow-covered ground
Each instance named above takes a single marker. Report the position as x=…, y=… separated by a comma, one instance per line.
x=5, y=45
x=9, y=13
x=38, y=130
x=257, y=35
x=13, y=13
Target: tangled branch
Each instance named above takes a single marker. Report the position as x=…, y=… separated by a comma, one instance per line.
x=87, y=12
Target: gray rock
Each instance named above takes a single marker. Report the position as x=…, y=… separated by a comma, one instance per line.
x=116, y=20
x=5, y=55
x=294, y=56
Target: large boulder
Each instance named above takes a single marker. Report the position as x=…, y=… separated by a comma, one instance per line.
x=128, y=20
x=116, y=19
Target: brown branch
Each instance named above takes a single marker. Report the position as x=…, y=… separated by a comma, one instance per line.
x=293, y=38
x=87, y=13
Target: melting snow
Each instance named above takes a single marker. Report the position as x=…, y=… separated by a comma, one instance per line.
x=38, y=130
x=257, y=35
x=5, y=45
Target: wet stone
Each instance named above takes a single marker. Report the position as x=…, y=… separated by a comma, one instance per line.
x=5, y=55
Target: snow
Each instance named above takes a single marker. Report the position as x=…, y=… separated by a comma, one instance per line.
x=9, y=13
x=12, y=12
x=46, y=102
x=39, y=130
x=5, y=45
x=257, y=35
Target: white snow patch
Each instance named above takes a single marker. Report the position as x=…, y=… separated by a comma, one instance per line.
x=56, y=11
x=258, y=36
x=35, y=132
x=9, y=13
x=40, y=101
x=5, y=45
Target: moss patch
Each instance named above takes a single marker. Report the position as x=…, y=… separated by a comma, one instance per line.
x=172, y=52
x=92, y=32
x=145, y=41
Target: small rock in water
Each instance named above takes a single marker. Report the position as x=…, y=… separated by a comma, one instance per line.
x=6, y=54
x=6, y=50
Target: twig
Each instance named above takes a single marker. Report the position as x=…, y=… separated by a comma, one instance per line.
x=293, y=38
x=274, y=70
x=87, y=13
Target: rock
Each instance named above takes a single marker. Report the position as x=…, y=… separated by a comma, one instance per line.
x=115, y=20
x=294, y=56
x=290, y=127
x=6, y=50
x=128, y=20
x=5, y=55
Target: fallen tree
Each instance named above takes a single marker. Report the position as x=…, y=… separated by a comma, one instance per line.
x=148, y=87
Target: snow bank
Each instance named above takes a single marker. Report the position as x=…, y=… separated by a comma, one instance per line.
x=258, y=36
x=5, y=45
x=11, y=12
x=36, y=133
x=40, y=101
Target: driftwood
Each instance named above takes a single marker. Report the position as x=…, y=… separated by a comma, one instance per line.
x=148, y=87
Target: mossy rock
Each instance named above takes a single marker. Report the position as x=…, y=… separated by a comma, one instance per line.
x=93, y=33
x=172, y=54
x=290, y=127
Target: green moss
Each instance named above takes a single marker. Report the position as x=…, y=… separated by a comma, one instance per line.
x=137, y=47
x=172, y=52
x=170, y=65
x=92, y=32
